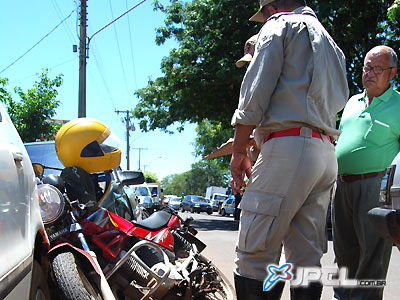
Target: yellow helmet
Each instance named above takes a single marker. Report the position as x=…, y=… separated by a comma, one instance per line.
x=79, y=143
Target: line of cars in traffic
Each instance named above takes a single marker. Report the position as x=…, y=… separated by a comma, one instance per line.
x=223, y=204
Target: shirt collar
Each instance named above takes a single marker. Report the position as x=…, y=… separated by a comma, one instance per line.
x=305, y=10
x=302, y=10
x=384, y=97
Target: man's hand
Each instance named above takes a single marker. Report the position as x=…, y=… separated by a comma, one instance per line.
x=241, y=159
x=240, y=166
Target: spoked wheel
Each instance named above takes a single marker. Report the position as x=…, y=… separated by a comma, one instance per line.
x=217, y=285
x=72, y=280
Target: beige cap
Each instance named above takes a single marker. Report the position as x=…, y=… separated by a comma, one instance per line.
x=258, y=16
x=249, y=48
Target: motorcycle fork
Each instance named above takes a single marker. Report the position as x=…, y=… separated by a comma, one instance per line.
x=105, y=289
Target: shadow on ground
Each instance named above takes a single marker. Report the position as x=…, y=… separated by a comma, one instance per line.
x=222, y=224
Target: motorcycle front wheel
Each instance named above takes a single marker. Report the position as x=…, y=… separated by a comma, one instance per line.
x=71, y=280
x=217, y=282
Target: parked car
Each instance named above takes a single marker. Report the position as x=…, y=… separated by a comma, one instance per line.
x=175, y=203
x=22, y=237
x=197, y=204
x=155, y=190
x=45, y=153
x=146, y=200
x=228, y=207
x=216, y=200
x=166, y=199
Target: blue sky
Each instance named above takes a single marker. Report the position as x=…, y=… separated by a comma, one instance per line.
x=121, y=59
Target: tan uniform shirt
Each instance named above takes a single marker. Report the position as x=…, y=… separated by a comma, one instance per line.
x=296, y=78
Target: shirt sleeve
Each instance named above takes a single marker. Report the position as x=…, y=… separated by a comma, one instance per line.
x=262, y=75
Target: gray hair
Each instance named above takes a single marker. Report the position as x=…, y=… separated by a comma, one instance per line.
x=386, y=50
x=393, y=57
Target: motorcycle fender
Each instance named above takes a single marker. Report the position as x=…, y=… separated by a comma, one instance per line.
x=81, y=255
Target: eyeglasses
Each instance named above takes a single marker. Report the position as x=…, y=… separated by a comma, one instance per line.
x=377, y=70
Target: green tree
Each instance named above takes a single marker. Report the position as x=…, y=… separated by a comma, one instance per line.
x=201, y=79
x=173, y=184
x=394, y=11
x=196, y=181
x=210, y=135
x=31, y=115
x=150, y=177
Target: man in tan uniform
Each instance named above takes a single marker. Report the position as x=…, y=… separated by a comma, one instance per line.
x=290, y=94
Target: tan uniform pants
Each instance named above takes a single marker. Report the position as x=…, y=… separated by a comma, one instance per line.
x=286, y=201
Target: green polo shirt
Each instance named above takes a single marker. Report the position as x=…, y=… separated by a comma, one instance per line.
x=370, y=138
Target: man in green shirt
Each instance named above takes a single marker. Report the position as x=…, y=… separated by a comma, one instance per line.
x=368, y=144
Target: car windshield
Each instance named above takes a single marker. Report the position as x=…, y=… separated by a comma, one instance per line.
x=174, y=200
x=154, y=190
x=220, y=197
x=199, y=199
x=44, y=153
x=141, y=191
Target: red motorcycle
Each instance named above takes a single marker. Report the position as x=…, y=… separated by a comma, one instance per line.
x=96, y=254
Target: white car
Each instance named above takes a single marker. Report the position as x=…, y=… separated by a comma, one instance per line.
x=228, y=207
x=146, y=199
x=22, y=234
x=175, y=203
x=167, y=198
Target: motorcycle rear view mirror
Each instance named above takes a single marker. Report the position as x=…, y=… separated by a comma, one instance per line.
x=130, y=177
x=38, y=169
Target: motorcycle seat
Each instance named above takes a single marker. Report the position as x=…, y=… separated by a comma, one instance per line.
x=155, y=221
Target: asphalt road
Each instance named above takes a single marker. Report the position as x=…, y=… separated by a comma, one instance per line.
x=220, y=233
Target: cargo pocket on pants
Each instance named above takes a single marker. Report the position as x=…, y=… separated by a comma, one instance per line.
x=259, y=210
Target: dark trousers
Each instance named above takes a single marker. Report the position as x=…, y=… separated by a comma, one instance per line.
x=357, y=245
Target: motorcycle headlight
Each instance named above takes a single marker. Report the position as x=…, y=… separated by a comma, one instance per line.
x=51, y=203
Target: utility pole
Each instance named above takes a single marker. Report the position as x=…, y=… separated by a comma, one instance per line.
x=82, y=61
x=84, y=53
x=129, y=127
x=140, y=149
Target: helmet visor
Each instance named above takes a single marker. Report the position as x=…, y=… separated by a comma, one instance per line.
x=111, y=144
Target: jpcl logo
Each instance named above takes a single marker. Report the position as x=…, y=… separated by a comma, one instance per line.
x=277, y=273
x=305, y=275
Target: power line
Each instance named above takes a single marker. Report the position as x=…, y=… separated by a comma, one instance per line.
x=38, y=42
x=59, y=14
x=119, y=51
x=131, y=44
x=84, y=50
x=116, y=19
x=36, y=73
x=101, y=72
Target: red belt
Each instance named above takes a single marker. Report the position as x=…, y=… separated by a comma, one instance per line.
x=292, y=132
x=350, y=178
